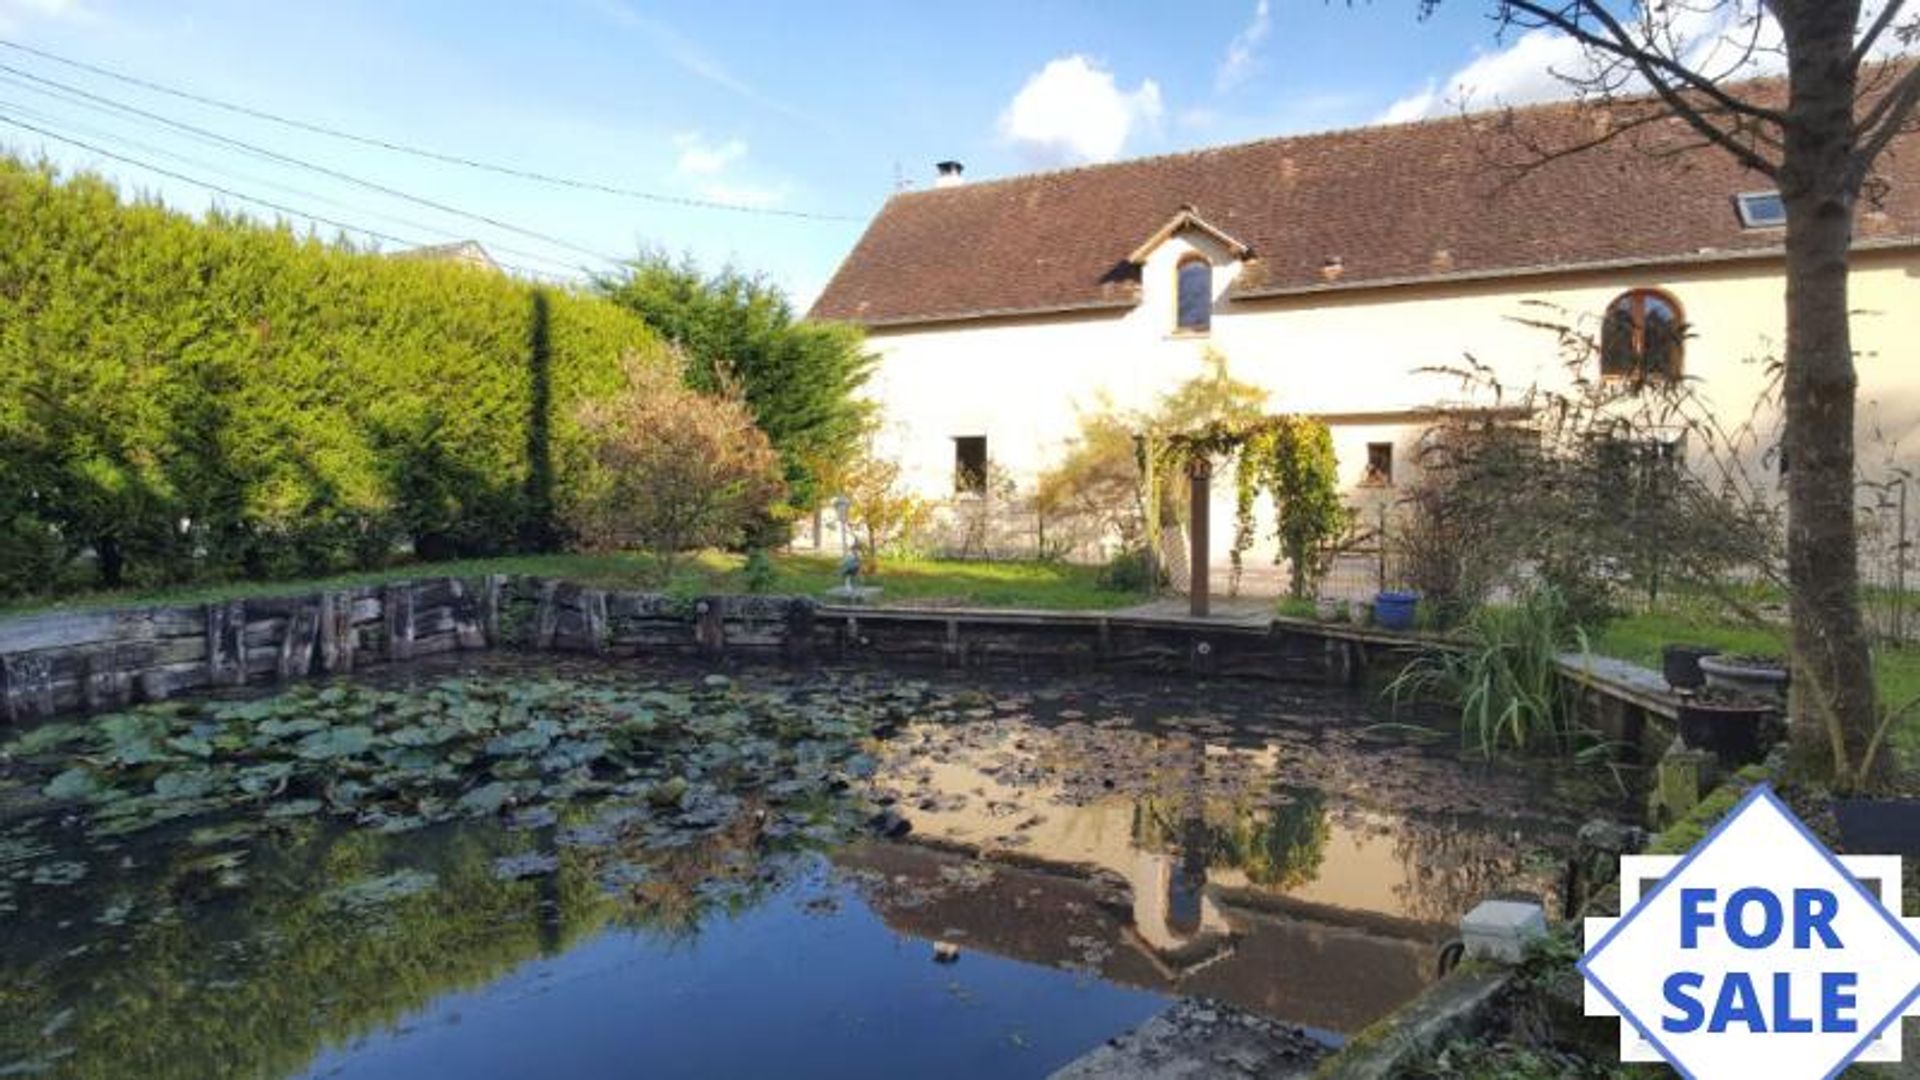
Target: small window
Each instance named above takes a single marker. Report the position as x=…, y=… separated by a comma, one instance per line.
x=970, y=464
x=1642, y=337
x=1379, y=465
x=1761, y=209
x=1195, y=315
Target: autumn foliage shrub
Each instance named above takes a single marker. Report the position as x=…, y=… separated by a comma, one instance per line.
x=670, y=469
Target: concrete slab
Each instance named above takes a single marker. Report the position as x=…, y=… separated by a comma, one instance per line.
x=1197, y=1039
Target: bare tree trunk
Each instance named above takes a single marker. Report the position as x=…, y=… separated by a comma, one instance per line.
x=1835, y=706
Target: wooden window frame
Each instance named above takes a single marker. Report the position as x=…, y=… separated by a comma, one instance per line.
x=1636, y=299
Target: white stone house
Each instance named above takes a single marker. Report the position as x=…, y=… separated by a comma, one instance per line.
x=1329, y=268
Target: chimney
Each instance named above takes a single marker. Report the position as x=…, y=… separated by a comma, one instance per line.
x=947, y=173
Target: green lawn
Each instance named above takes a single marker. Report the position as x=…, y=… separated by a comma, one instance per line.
x=943, y=583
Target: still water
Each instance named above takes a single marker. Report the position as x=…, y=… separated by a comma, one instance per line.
x=507, y=869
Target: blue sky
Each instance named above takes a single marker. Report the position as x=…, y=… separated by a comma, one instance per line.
x=822, y=107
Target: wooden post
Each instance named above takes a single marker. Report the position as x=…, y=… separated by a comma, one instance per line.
x=1199, y=472
x=1153, y=513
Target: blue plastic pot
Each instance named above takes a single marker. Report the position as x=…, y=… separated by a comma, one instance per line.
x=1394, y=610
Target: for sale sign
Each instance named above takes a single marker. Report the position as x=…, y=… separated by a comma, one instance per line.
x=1758, y=953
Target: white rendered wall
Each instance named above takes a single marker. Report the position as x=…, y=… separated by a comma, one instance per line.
x=1024, y=382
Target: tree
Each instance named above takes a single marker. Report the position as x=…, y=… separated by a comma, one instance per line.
x=673, y=469
x=883, y=514
x=800, y=378
x=1817, y=137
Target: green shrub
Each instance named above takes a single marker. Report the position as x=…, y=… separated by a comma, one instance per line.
x=1132, y=570
x=758, y=573
x=203, y=399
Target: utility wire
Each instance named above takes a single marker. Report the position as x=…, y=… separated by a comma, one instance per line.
x=70, y=127
x=321, y=169
x=421, y=152
x=229, y=192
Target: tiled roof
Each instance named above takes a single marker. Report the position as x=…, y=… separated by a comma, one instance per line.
x=1391, y=204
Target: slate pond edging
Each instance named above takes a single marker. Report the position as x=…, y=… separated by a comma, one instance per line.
x=66, y=662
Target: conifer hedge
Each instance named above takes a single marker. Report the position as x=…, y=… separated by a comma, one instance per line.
x=184, y=399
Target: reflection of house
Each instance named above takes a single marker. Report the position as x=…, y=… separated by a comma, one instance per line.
x=1327, y=268
x=1175, y=919
x=465, y=252
x=1306, y=965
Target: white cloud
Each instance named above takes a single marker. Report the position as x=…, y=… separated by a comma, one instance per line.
x=1519, y=74
x=1072, y=111
x=1243, y=50
x=698, y=157
x=1718, y=40
x=14, y=13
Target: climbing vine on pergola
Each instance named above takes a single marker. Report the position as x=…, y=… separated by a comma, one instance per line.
x=1288, y=458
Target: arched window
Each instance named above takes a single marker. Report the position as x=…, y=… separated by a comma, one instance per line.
x=1643, y=337
x=1195, y=313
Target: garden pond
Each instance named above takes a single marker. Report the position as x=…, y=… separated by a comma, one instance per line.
x=502, y=867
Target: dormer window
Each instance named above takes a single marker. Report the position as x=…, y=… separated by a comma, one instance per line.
x=1761, y=209
x=1194, y=296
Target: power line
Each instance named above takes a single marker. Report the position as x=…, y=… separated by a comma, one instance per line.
x=360, y=211
x=324, y=170
x=431, y=155
x=229, y=192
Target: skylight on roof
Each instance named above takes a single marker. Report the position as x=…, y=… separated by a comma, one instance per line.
x=1760, y=209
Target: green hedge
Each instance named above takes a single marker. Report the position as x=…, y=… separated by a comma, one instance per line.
x=185, y=399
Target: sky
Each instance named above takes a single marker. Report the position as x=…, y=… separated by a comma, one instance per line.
x=768, y=110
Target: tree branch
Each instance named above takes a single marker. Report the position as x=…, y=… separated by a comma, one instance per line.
x=1885, y=120
x=1879, y=27
x=1656, y=69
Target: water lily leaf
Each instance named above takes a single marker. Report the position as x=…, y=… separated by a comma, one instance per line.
x=75, y=783
x=668, y=792
x=139, y=751
x=573, y=754
x=184, y=783
x=215, y=835
x=529, y=864
x=385, y=889
x=529, y=740
x=267, y=779
x=485, y=799
x=294, y=808
x=193, y=745
x=46, y=737
x=64, y=872
x=276, y=729
x=335, y=743
x=423, y=735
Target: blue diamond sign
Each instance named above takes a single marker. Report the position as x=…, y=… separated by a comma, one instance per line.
x=1758, y=953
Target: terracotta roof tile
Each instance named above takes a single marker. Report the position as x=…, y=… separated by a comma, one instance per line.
x=1394, y=204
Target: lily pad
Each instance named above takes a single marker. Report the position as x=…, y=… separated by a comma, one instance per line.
x=335, y=743
x=75, y=783
x=184, y=783
x=485, y=799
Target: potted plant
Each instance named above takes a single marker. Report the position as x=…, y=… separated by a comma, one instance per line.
x=1735, y=727
x=1743, y=673
x=1680, y=663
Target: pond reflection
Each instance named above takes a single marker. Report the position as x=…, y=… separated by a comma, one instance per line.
x=624, y=873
